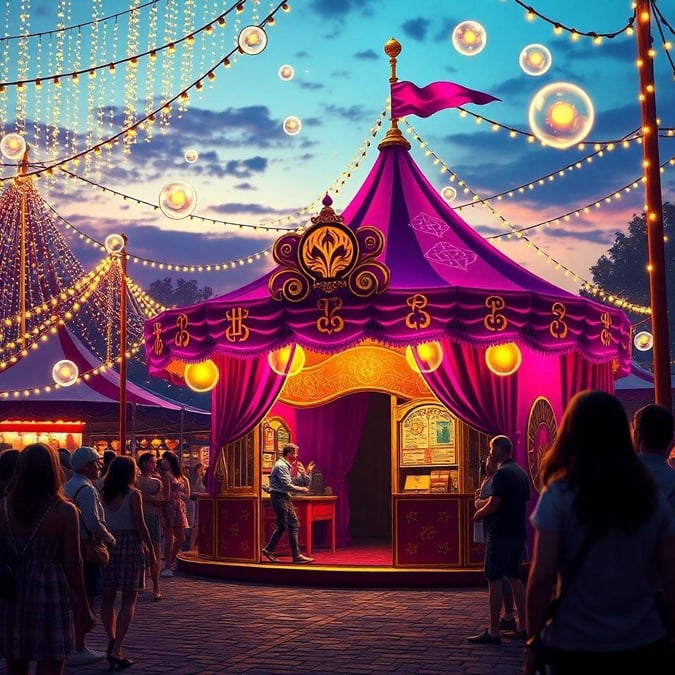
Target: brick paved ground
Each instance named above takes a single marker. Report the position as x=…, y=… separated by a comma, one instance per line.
x=205, y=626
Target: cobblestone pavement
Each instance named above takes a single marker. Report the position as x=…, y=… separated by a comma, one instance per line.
x=204, y=626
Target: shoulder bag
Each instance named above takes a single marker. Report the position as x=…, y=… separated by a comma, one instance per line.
x=10, y=556
x=93, y=549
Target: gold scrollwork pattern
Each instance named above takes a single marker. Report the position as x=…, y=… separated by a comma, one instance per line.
x=495, y=321
x=237, y=331
x=605, y=335
x=418, y=317
x=182, y=338
x=330, y=321
x=558, y=327
x=158, y=343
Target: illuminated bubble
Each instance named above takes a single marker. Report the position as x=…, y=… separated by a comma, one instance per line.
x=292, y=125
x=202, y=377
x=252, y=40
x=561, y=115
x=503, y=359
x=12, y=146
x=286, y=72
x=191, y=156
x=535, y=60
x=469, y=38
x=65, y=373
x=114, y=243
x=279, y=360
x=643, y=341
x=177, y=200
x=424, y=358
x=449, y=193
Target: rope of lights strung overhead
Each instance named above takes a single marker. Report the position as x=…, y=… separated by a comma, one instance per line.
x=79, y=26
x=559, y=27
x=667, y=45
x=129, y=132
x=55, y=78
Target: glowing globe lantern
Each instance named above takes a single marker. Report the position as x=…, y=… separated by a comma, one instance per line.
x=65, y=373
x=643, y=341
x=191, y=156
x=13, y=146
x=292, y=126
x=279, y=360
x=469, y=38
x=201, y=377
x=114, y=243
x=424, y=358
x=561, y=115
x=535, y=60
x=449, y=193
x=286, y=72
x=252, y=40
x=503, y=359
x=177, y=200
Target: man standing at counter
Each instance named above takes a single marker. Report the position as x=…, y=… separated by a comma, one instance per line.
x=503, y=516
x=281, y=487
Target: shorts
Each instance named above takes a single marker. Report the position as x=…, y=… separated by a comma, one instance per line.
x=93, y=579
x=503, y=557
x=154, y=525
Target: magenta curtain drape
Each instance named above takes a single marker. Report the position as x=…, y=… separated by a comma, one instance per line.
x=330, y=435
x=465, y=385
x=578, y=373
x=246, y=390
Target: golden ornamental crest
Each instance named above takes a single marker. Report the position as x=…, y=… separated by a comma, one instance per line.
x=328, y=256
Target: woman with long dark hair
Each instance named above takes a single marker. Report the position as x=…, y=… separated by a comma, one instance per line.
x=602, y=518
x=176, y=493
x=124, y=515
x=40, y=526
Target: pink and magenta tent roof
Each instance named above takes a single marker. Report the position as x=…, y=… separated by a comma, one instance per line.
x=427, y=276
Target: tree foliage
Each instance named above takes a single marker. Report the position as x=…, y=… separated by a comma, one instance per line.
x=623, y=269
x=182, y=294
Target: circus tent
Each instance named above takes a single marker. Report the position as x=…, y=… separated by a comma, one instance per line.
x=399, y=268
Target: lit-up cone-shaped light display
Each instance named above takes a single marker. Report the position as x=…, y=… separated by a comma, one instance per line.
x=114, y=243
x=643, y=341
x=65, y=373
x=286, y=72
x=503, y=359
x=424, y=358
x=201, y=377
x=561, y=115
x=279, y=359
x=252, y=40
x=469, y=38
x=177, y=200
x=292, y=126
x=13, y=146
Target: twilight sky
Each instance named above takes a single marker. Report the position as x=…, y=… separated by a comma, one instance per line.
x=250, y=172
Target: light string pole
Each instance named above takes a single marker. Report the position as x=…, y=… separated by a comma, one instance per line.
x=123, y=346
x=658, y=296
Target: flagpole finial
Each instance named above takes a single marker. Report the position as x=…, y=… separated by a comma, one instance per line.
x=392, y=48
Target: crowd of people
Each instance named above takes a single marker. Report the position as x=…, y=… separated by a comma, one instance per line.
x=76, y=527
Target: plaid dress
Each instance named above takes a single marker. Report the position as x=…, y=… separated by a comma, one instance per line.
x=38, y=623
x=125, y=570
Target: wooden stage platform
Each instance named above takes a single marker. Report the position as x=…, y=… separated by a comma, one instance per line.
x=362, y=565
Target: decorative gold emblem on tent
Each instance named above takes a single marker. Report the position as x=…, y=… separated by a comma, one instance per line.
x=329, y=256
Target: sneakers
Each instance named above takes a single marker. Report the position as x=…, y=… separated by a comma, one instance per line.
x=82, y=658
x=269, y=555
x=302, y=560
x=507, y=624
x=485, y=639
x=515, y=634
x=166, y=573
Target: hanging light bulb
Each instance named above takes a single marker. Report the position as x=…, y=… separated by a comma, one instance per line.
x=503, y=359
x=65, y=373
x=13, y=146
x=292, y=126
x=286, y=72
x=252, y=40
x=177, y=200
x=643, y=341
x=279, y=360
x=424, y=358
x=201, y=377
x=114, y=243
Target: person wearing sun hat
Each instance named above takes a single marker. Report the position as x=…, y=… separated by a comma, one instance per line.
x=86, y=465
